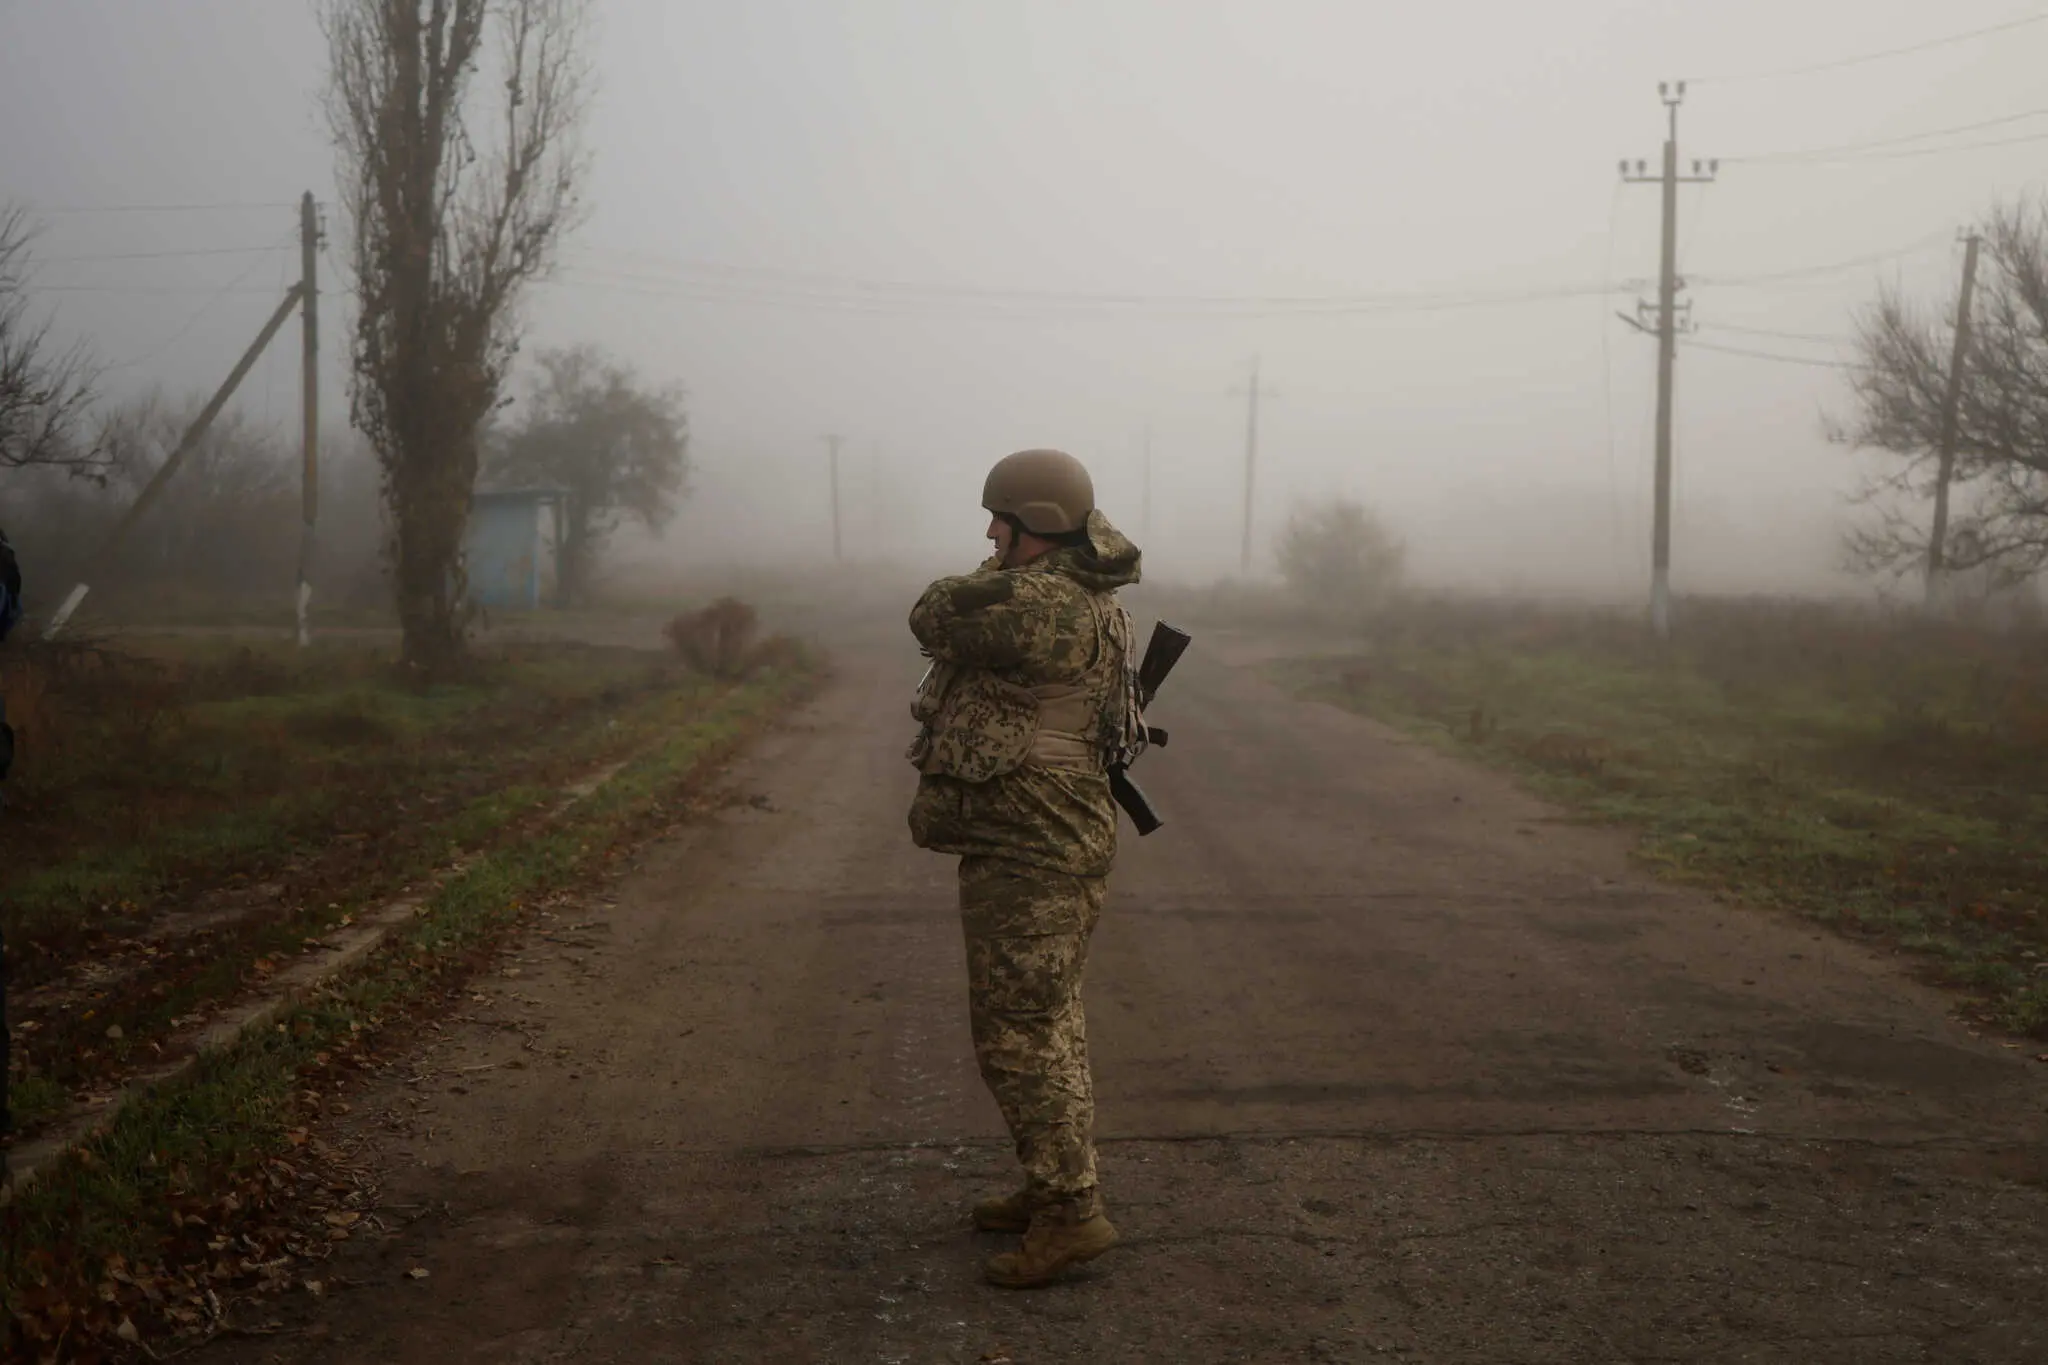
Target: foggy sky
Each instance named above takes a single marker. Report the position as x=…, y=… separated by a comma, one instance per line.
x=744, y=152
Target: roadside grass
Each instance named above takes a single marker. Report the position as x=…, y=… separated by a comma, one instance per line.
x=174, y=761
x=108, y=1234
x=1887, y=777
x=284, y=796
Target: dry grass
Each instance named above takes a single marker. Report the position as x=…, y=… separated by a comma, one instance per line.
x=1886, y=774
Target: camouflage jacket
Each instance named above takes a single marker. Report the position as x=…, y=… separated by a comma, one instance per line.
x=1002, y=642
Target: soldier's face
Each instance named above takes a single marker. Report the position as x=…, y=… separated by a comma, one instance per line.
x=1005, y=537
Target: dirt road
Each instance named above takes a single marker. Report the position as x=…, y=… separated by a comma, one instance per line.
x=1393, y=1062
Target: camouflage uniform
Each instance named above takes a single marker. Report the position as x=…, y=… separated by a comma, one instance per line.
x=1032, y=688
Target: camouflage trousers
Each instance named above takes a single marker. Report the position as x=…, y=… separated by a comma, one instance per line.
x=1027, y=941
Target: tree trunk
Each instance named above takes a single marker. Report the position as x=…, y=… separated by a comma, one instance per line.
x=430, y=503
x=574, y=569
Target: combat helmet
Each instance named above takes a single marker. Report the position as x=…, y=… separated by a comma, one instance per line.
x=1047, y=492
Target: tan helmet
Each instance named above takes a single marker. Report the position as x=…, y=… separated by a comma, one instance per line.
x=1048, y=491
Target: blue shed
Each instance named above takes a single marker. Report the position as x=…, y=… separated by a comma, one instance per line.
x=506, y=549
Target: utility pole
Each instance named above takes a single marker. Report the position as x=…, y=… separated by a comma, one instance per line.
x=309, y=389
x=832, y=444
x=1251, y=461
x=1145, y=503
x=1951, y=405
x=1667, y=327
x=872, y=500
x=186, y=442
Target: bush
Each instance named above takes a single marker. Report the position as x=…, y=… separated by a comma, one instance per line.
x=1338, y=555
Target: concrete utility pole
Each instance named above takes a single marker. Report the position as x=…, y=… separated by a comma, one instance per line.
x=1667, y=327
x=1251, y=461
x=309, y=389
x=1951, y=405
x=832, y=444
x=1145, y=502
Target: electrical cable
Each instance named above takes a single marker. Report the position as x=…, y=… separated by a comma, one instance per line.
x=1782, y=336
x=232, y=286
x=1928, y=151
x=1840, y=63
x=1767, y=355
x=991, y=303
x=1804, y=272
x=159, y=208
x=158, y=255
x=1822, y=153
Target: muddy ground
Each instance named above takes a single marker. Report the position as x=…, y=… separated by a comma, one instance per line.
x=1393, y=1061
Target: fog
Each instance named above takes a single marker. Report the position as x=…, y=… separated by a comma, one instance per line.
x=947, y=231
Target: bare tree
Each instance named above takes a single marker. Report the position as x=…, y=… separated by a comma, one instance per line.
x=2000, y=485
x=448, y=227
x=616, y=448
x=45, y=393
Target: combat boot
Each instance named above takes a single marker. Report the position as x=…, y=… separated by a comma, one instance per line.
x=1010, y=1213
x=1056, y=1240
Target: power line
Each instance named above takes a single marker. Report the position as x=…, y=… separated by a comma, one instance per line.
x=159, y=255
x=1782, y=336
x=1821, y=153
x=135, y=289
x=708, y=282
x=809, y=285
x=232, y=286
x=1025, y=305
x=1933, y=151
x=1842, y=62
x=1803, y=272
x=1769, y=355
x=220, y=207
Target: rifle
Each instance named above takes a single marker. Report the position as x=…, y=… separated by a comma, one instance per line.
x=1161, y=654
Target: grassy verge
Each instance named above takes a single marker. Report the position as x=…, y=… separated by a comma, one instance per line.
x=168, y=763
x=1889, y=779
x=283, y=794
x=173, y=1203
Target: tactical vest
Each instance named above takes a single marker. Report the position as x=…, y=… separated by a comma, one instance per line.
x=976, y=725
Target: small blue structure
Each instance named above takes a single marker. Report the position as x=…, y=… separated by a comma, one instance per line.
x=505, y=547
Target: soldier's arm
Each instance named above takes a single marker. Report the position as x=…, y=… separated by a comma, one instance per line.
x=978, y=620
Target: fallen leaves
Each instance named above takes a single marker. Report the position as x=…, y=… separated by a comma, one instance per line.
x=254, y=1234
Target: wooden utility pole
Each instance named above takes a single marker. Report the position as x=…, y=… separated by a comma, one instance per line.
x=1951, y=406
x=309, y=391
x=832, y=444
x=1667, y=327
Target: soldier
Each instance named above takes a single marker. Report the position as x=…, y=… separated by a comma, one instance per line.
x=1031, y=694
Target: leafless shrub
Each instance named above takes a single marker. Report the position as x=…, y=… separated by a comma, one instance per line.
x=46, y=394
x=717, y=640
